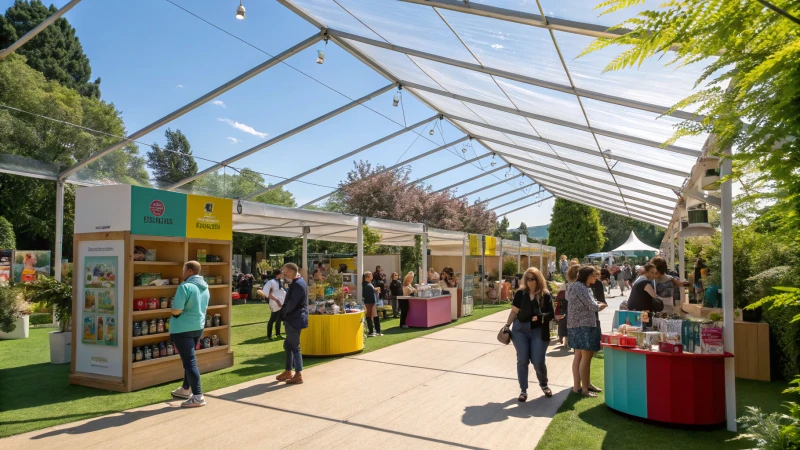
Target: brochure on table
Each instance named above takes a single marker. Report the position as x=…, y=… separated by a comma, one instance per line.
x=101, y=301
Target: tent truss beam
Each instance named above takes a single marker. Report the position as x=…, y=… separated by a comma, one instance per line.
x=658, y=109
x=511, y=192
x=480, y=175
x=523, y=207
x=308, y=42
x=612, y=209
x=396, y=166
x=283, y=136
x=490, y=186
x=510, y=203
x=594, y=190
x=341, y=158
x=563, y=123
x=588, y=197
x=461, y=164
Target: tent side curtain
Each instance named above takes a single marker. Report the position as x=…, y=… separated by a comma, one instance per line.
x=271, y=220
x=394, y=232
x=446, y=243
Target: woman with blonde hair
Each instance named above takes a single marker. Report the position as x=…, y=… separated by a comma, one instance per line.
x=369, y=297
x=531, y=313
x=408, y=291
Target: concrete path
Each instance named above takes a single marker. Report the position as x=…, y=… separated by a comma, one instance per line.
x=453, y=388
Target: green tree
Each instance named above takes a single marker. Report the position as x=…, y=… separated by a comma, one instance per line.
x=7, y=239
x=501, y=230
x=522, y=230
x=752, y=78
x=56, y=51
x=575, y=229
x=617, y=228
x=175, y=162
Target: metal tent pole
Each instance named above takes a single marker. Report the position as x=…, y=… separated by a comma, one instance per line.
x=424, y=256
x=306, y=230
x=500, y=264
x=359, y=259
x=541, y=257
x=59, y=229
x=682, y=267
x=727, y=289
x=489, y=186
x=483, y=270
x=194, y=104
x=464, y=269
x=519, y=259
x=36, y=30
x=283, y=136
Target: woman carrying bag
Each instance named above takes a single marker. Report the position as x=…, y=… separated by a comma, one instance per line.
x=531, y=313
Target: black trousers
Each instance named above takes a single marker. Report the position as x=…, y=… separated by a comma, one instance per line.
x=274, y=318
x=403, y=304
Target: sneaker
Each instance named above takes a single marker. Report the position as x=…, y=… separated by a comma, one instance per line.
x=371, y=335
x=182, y=393
x=378, y=334
x=194, y=401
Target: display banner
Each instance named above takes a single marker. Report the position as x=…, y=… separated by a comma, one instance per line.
x=209, y=218
x=100, y=304
x=491, y=246
x=103, y=209
x=475, y=245
x=157, y=213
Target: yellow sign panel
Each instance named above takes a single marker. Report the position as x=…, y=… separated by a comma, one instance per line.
x=209, y=218
x=491, y=246
x=475, y=245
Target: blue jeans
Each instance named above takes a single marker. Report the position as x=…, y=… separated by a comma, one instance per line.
x=185, y=344
x=530, y=349
x=291, y=345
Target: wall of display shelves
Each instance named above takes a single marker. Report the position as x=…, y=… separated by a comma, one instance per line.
x=177, y=359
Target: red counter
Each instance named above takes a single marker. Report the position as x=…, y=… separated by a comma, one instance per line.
x=428, y=312
x=675, y=388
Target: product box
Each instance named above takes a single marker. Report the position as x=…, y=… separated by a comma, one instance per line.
x=144, y=278
x=711, y=340
x=668, y=347
x=690, y=336
x=201, y=255
x=150, y=255
x=651, y=338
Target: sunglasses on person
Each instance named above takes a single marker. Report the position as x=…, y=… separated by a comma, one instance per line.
x=530, y=279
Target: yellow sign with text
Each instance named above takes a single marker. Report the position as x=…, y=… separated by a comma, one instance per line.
x=491, y=246
x=475, y=245
x=209, y=218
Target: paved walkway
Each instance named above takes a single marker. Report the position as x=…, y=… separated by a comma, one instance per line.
x=453, y=388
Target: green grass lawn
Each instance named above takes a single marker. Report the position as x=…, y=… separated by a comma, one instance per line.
x=587, y=424
x=35, y=394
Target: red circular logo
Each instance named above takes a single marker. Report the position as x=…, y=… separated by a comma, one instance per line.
x=157, y=208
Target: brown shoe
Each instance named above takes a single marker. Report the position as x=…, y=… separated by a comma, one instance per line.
x=286, y=375
x=296, y=379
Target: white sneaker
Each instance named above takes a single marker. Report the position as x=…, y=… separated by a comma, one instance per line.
x=182, y=393
x=371, y=335
x=194, y=401
x=378, y=334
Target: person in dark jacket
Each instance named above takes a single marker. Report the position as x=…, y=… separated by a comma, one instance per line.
x=531, y=313
x=395, y=290
x=369, y=294
x=295, y=318
x=599, y=291
x=379, y=281
x=246, y=287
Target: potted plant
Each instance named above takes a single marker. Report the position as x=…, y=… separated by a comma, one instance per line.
x=57, y=295
x=717, y=318
x=14, y=321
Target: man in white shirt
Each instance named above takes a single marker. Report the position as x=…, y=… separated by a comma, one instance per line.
x=276, y=295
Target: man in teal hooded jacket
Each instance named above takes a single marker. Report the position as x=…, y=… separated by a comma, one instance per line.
x=186, y=328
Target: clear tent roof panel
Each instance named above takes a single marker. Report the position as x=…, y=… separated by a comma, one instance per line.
x=631, y=169
x=564, y=134
x=584, y=10
x=503, y=119
x=647, y=154
x=394, y=62
x=514, y=47
x=546, y=102
x=476, y=130
x=468, y=83
x=443, y=103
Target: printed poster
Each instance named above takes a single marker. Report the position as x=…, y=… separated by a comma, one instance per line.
x=100, y=305
x=6, y=256
x=491, y=246
x=158, y=213
x=29, y=265
x=475, y=245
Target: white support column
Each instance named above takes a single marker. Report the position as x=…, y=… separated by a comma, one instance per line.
x=483, y=270
x=304, y=262
x=519, y=260
x=359, y=259
x=464, y=265
x=500, y=265
x=682, y=267
x=671, y=248
x=424, y=274
x=541, y=257
x=59, y=245
x=727, y=291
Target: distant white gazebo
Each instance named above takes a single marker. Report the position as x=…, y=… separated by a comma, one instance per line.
x=633, y=245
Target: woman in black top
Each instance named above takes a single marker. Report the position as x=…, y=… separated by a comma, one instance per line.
x=369, y=296
x=643, y=291
x=395, y=290
x=531, y=313
x=379, y=281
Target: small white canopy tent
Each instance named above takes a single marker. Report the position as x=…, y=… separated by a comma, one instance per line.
x=633, y=244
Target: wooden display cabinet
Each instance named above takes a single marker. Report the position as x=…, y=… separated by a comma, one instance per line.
x=171, y=253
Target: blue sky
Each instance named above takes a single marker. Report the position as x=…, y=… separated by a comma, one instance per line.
x=154, y=58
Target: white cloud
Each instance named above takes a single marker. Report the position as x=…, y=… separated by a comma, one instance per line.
x=219, y=103
x=179, y=86
x=233, y=140
x=498, y=46
x=242, y=127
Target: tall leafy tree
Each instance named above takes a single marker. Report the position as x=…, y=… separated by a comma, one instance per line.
x=501, y=230
x=575, y=229
x=751, y=101
x=173, y=163
x=7, y=239
x=56, y=51
x=617, y=228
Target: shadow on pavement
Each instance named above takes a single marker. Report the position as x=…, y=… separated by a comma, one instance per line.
x=497, y=412
x=116, y=420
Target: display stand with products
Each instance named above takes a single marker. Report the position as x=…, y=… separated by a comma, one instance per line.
x=126, y=278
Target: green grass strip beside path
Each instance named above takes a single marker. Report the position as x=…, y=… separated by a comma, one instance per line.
x=588, y=424
x=35, y=394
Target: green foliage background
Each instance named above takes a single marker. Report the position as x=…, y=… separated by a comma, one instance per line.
x=575, y=229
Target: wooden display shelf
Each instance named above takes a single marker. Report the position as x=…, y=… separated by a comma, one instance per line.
x=148, y=312
x=216, y=286
x=139, y=340
x=157, y=263
x=154, y=288
x=210, y=307
x=222, y=263
x=167, y=359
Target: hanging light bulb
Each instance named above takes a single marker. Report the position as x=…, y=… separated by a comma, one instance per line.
x=431, y=132
x=320, y=56
x=396, y=99
x=464, y=148
x=240, y=12
x=494, y=163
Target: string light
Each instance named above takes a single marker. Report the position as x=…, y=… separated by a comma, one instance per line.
x=321, y=53
x=494, y=163
x=508, y=174
x=240, y=12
